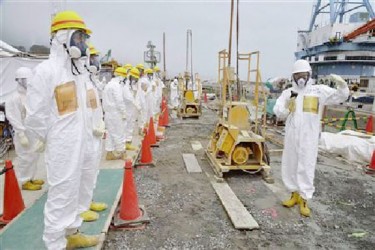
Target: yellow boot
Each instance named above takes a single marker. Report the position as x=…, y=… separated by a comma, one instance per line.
x=37, y=182
x=112, y=156
x=294, y=199
x=303, y=208
x=88, y=216
x=130, y=147
x=31, y=186
x=79, y=240
x=98, y=206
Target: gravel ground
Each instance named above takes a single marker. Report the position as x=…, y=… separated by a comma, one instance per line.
x=186, y=213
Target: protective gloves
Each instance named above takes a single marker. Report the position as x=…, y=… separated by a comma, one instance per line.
x=100, y=130
x=23, y=140
x=292, y=105
x=40, y=146
x=339, y=81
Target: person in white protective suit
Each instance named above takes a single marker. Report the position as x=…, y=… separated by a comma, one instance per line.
x=131, y=105
x=141, y=101
x=26, y=158
x=115, y=116
x=301, y=105
x=55, y=114
x=94, y=132
x=174, y=93
x=159, y=90
x=151, y=93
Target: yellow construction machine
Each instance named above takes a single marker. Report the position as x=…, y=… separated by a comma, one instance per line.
x=238, y=140
x=190, y=103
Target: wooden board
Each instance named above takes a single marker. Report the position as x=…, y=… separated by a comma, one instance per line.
x=240, y=217
x=191, y=163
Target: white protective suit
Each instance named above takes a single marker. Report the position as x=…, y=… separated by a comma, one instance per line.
x=114, y=112
x=131, y=110
x=159, y=94
x=302, y=130
x=55, y=101
x=94, y=129
x=141, y=101
x=174, y=93
x=27, y=159
x=153, y=98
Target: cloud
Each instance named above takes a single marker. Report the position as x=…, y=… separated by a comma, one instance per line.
x=126, y=27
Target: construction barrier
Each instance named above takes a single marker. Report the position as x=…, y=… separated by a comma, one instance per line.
x=349, y=116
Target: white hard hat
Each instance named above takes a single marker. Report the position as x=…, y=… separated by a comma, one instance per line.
x=23, y=72
x=301, y=66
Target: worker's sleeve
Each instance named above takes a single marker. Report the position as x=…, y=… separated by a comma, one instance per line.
x=39, y=99
x=118, y=98
x=280, y=109
x=334, y=96
x=14, y=115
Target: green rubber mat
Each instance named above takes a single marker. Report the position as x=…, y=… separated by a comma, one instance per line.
x=26, y=231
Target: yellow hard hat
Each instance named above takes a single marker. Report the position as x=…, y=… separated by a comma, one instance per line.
x=140, y=66
x=68, y=20
x=127, y=66
x=134, y=72
x=120, y=71
x=92, y=49
x=156, y=69
x=149, y=71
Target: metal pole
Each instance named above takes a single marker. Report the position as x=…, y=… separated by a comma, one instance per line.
x=165, y=70
x=230, y=33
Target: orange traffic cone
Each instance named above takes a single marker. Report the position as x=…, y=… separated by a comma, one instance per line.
x=146, y=154
x=205, y=97
x=369, y=125
x=370, y=169
x=131, y=214
x=166, y=115
x=151, y=133
x=13, y=202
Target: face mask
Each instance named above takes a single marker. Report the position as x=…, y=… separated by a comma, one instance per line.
x=78, y=44
x=301, y=82
x=22, y=82
x=94, y=64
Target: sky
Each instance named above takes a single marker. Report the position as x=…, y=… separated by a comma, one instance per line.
x=125, y=27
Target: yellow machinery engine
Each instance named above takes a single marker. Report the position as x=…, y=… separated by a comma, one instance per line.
x=238, y=140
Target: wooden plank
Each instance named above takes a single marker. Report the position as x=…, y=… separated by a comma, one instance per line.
x=191, y=163
x=240, y=217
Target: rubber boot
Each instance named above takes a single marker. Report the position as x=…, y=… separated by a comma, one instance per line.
x=303, y=208
x=79, y=240
x=31, y=186
x=98, y=206
x=294, y=199
x=89, y=215
x=130, y=147
x=37, y=182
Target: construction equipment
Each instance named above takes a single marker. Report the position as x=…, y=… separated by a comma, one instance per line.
x=238, y=140
x=190, y=96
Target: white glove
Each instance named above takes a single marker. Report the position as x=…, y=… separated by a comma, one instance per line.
x=339, y=81
x=23, y=140
x=100, y=130
x=40, y=146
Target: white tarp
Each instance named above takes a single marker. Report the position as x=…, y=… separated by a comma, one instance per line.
x=354, y=146
x=8, y=67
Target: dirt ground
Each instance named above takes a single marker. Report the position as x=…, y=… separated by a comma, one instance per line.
x=186, y=213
